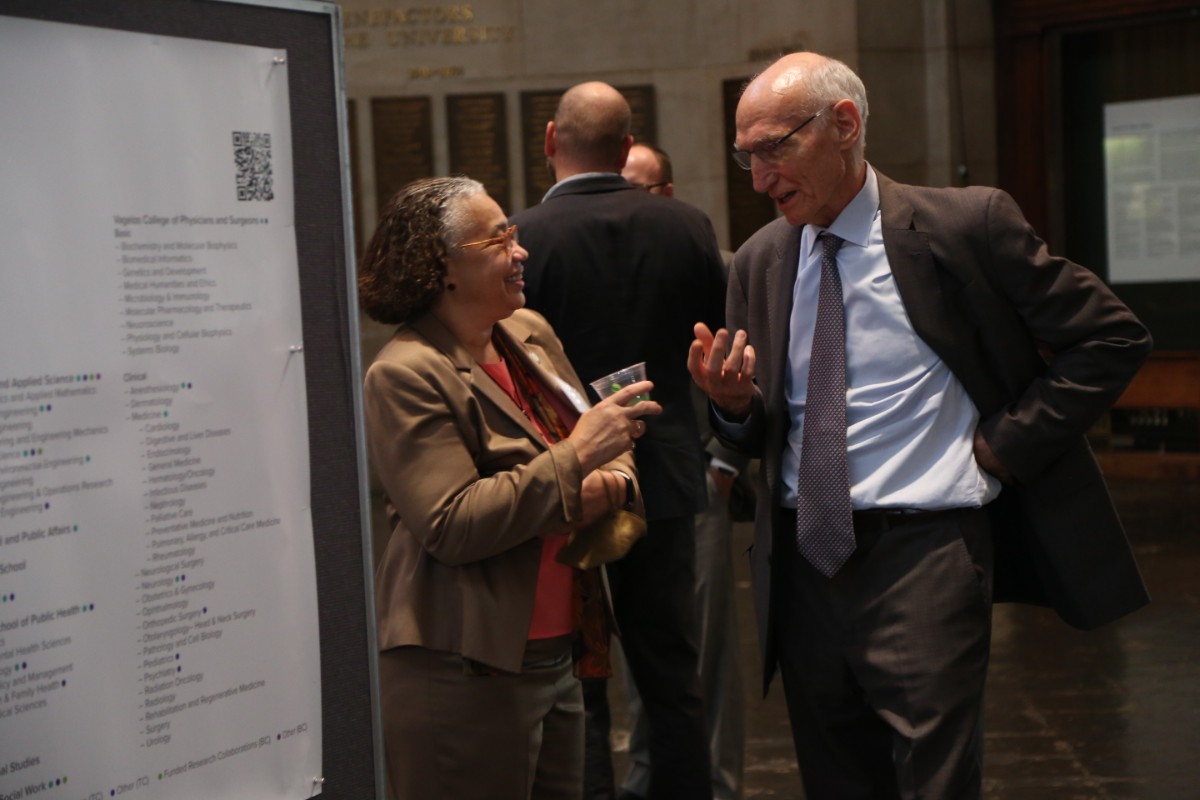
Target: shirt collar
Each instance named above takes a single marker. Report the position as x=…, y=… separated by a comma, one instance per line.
x=581, y=176
x=854, y=223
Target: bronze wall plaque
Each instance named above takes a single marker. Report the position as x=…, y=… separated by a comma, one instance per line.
x=537, y=108
x=402, y=133
x=477, y=127
x=643, y=122
x=748, y=210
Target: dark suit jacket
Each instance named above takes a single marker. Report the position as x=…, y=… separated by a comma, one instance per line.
x=981, y=289
x=471, y=487
x=623, y=276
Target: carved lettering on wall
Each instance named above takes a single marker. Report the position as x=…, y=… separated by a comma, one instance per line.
x=420, y=26
x=425, y=73
x=421, y=15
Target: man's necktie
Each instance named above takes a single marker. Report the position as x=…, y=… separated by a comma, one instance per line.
x=824, y=519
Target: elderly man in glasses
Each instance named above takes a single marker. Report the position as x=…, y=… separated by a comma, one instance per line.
x=917, y=373
x=622, y=275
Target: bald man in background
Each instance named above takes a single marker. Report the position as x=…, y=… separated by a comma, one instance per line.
x=621, y=275
x=649, y=168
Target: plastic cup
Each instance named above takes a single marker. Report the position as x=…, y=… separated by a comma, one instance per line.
x=611, y=384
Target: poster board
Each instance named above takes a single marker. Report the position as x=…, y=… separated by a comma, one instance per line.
x=183, y=551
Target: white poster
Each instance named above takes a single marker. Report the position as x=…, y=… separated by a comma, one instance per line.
x=158, y=611
x=1152, y=174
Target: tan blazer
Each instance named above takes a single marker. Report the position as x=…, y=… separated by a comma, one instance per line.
x=471, y=488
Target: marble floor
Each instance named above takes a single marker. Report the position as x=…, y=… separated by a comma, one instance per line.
x=1106, y=715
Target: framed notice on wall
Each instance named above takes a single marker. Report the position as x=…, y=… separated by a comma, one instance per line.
x=1152, y=176
x=477, y=126
x=159, y=629
x=402, y=132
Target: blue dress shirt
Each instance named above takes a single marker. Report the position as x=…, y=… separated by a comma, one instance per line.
x=910, y=424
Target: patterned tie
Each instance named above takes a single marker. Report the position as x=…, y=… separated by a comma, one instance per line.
x=824, y=521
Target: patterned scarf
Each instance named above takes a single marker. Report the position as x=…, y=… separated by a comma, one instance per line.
x=589, y=609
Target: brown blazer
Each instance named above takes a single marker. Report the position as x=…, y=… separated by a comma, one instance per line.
x=471, y=487
x=982, y=290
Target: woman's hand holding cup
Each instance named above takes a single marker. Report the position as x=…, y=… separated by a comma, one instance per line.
x=610, y=427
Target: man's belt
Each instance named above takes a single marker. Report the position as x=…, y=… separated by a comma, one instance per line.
x=878, y=520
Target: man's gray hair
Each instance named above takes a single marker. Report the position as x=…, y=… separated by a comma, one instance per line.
x=830, y=81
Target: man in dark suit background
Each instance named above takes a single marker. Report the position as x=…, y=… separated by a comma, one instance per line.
x=973, y=362
x=649, y=168
x=622, y=275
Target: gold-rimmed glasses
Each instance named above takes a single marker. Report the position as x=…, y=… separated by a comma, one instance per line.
x=508, y=239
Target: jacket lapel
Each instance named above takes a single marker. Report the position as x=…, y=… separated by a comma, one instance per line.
x=781, y=272
x=538, y=362
x=935, y=316
x=480, y=383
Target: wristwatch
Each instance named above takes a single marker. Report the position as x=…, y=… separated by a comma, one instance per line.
x=629, y=491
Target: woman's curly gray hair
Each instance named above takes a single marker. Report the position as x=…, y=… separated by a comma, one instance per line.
x=400, y=275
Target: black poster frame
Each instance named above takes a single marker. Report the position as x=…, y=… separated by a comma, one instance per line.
x=310, y=31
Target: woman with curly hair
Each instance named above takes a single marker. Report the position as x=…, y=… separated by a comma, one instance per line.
x=496, y=470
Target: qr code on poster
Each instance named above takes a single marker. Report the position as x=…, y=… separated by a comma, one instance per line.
x=252, y=155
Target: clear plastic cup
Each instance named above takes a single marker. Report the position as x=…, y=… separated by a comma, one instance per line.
x=611, y=384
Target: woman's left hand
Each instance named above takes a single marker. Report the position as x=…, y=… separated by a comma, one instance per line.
x=603, y=490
